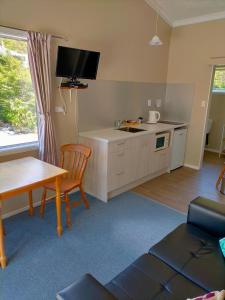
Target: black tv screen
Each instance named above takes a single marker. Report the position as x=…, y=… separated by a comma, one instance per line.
x=76, y=63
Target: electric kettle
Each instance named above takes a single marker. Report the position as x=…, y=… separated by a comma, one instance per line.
x=153, y=117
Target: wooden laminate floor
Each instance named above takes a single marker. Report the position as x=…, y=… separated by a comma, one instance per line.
x=178, y=188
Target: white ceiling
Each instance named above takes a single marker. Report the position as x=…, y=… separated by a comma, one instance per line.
x=184, y=12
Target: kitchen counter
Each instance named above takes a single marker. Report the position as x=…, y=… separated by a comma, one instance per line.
x=112, y=134
x=121, y=160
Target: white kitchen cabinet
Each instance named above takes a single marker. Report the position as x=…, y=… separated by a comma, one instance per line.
x=96, y=176
x=117, y=166
x=178, y=148
x=142, y=151
x=130, y=160
x=119, y=171
x=161, y=160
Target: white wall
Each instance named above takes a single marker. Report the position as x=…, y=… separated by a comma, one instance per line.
x=178, y=102
x=192, y=49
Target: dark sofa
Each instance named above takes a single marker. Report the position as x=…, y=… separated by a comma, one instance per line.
x=186, y=263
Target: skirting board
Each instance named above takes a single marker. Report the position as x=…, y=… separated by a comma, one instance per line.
x=19, y=210
x=212, y=150
x=192, y=166
x=25, y=208
x=126, y=187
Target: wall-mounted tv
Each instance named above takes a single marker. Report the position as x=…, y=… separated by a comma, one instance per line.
x=77, y=63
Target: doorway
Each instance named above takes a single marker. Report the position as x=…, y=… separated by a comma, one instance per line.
x=215, y=123
x=214, y=147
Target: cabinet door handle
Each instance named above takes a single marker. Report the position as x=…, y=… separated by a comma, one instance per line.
x=119, y=144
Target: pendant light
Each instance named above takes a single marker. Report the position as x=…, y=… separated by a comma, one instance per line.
x=155, y=41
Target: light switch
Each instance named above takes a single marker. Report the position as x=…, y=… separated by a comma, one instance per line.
x=158, y=102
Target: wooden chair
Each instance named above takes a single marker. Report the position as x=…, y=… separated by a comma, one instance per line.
x=74, y=158
x=220, y=177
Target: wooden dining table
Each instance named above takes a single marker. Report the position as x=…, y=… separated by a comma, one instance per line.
x=23, y=175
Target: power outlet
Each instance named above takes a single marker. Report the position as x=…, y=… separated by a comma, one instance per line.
x=149, y=102
x=59, y=109
x=158, y=102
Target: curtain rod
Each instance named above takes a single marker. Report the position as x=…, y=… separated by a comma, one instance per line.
x=24, y=30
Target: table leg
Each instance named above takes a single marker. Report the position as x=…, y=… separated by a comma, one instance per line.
x=31, y=208
x=58, y=205
x=2, y=248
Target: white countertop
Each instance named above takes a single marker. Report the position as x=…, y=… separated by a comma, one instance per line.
x=112, y=134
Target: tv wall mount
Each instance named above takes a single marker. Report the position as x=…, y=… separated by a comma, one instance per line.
x=73, y=84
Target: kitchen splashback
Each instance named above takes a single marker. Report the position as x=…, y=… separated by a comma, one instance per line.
x=106, y=101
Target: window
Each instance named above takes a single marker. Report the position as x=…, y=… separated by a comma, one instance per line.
x=18, y=122
x=219, y=80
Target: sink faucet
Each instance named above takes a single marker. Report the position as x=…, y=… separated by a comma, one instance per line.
x=118, y=123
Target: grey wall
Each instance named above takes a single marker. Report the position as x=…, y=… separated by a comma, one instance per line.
x=178, y=102
x=106, y=101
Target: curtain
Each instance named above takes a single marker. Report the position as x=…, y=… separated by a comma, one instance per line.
x=39, y=61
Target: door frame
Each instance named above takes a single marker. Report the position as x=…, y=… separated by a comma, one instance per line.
x=208, y=106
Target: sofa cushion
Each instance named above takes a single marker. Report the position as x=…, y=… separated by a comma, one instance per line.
x=87, y=288
x=149, y=278
x=207, y=215
x=195, y=254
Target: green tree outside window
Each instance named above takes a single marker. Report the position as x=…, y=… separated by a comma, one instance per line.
x=17, y=101
x=219, y=80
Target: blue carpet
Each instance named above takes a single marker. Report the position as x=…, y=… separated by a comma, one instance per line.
x=103, y=241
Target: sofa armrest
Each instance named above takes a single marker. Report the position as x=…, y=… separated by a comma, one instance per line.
x=208, y=215
x=87, y=288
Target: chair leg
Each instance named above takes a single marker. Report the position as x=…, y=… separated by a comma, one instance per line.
x=68, y=218
x=83, y=196
x=220, y=177
x=43, y=202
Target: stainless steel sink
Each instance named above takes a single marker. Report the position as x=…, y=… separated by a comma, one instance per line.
x=130, y=129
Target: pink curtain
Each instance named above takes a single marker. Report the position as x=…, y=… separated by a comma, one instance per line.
x=39, y=61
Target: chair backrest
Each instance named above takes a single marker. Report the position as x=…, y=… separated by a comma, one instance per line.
x=74, y=159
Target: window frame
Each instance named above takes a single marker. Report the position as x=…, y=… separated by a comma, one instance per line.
x=18, y=148
x=19, y=35
x=218, y=90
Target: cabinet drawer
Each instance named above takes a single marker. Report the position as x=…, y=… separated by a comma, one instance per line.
x=117, y=162
x=116, y=180
x=118, y=146
x=118, y=170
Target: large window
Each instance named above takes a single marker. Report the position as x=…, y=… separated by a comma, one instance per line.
x=219, y=80
x=18, y=123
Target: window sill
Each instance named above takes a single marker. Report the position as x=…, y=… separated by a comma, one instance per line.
x=8, y=150
x=218, y=92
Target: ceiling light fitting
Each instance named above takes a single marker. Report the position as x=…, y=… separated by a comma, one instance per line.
x=155, y=41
